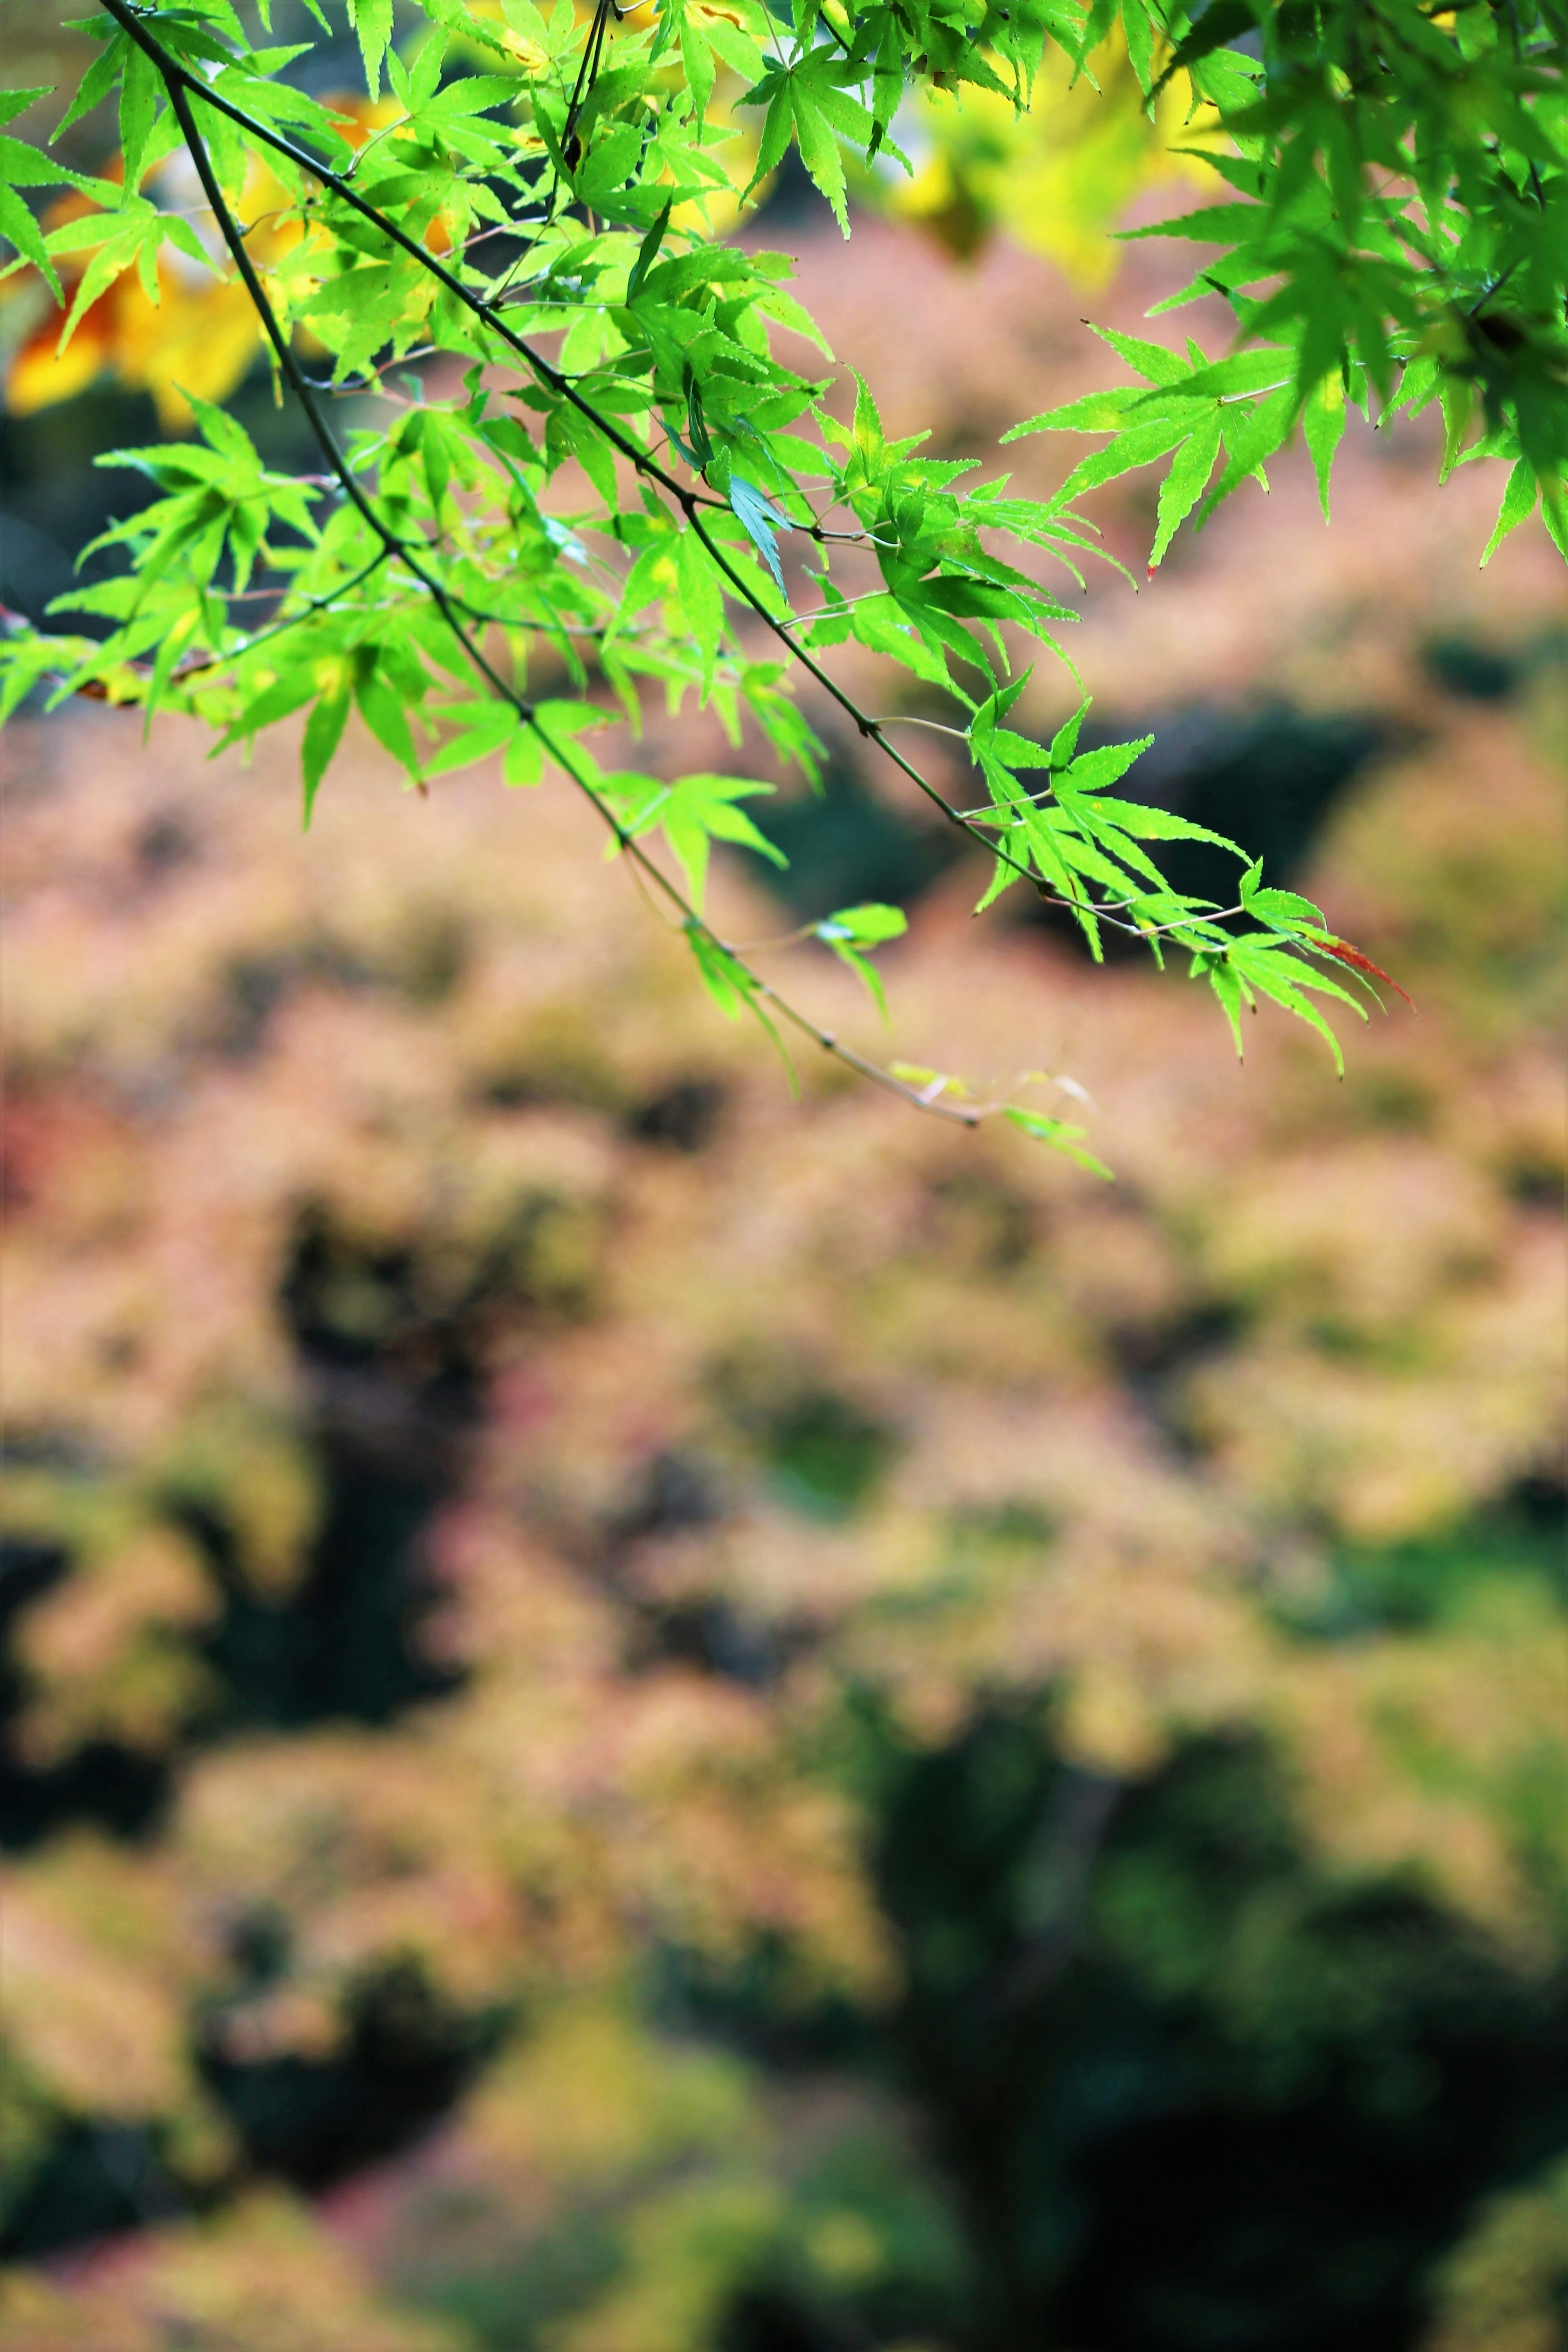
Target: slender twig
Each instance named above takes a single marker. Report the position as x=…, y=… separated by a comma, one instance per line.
x=312, y=604
x=907, y=719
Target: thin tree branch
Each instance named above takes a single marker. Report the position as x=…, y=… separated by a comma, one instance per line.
x=394, y=545
x=176, y=76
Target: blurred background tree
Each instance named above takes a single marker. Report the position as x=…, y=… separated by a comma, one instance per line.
x=642, y=1720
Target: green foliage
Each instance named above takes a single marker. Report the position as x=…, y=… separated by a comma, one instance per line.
x=1394, y=234
x=851, y=931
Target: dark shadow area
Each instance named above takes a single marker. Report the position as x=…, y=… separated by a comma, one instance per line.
x=827, y=1456
x=394, y=1377
x=394, y=1382
x=793, y=202
x=1146, y=2152
x=345, y=1644
x=96, y=2177
x=53, y=499
x=845, y=845
x=406, y=2057
x=1475, y=672
x=101, y=1785
x=1150, y=2164
x=677, y=1493
x=684, y=1115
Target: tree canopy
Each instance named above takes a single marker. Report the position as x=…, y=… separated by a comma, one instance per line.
x=626, y=489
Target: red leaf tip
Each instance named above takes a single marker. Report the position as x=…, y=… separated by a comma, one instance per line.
x=1343, y=952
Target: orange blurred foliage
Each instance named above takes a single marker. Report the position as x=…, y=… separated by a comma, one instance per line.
x=201, y=335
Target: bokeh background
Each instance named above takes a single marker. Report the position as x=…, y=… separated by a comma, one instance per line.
x=640, y=1718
